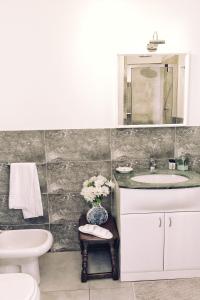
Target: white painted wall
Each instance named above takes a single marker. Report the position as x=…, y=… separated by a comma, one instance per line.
x=58, y=58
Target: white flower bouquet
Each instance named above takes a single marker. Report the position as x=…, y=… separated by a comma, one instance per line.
x=95, y=188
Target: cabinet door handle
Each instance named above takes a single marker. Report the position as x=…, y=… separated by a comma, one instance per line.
x=170, y=222
x=160, y=222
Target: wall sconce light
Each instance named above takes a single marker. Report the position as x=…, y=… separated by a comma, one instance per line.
x=153, y=44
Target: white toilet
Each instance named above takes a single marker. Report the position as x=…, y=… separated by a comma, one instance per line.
x=18, y=286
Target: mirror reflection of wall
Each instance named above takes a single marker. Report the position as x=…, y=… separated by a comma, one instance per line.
x=152, y=89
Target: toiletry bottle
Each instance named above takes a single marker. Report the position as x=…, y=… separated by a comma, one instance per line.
x=182, y=163
x=172, y=164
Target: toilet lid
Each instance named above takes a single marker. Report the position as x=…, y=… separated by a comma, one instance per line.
x=18, y=286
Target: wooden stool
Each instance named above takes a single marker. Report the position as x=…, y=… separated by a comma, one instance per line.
x=87, y=240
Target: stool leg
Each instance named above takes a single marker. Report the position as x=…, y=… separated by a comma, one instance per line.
x=113, y=261
x=81, y=246
x=84, y=263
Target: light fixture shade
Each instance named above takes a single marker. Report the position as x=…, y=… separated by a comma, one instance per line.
x=153, y=44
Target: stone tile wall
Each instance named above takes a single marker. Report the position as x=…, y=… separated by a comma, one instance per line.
x=65, y=158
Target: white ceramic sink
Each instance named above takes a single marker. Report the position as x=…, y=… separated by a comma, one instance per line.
x=159, y=200
x=160, y=192
x=159, y=178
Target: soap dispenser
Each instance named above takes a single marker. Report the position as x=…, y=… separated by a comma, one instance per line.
x=182, y=163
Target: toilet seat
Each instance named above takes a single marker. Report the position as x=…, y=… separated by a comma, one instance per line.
x=18, y=286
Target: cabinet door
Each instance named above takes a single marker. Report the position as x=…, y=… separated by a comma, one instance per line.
x=182, y=241
x=142, y=240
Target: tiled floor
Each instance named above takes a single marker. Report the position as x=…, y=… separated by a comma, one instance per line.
x=60, y=280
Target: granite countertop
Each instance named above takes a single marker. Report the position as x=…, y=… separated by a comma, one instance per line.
x=124, y=180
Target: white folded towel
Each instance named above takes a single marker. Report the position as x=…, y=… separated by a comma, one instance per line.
x=25, y=190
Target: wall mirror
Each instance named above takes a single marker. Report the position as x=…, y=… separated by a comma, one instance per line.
x=153, y=89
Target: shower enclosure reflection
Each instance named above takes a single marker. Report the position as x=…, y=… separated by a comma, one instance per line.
x=152, y=89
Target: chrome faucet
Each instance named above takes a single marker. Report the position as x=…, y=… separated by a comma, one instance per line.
x=152, y=165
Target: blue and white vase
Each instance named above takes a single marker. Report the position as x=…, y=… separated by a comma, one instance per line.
x=97, y=215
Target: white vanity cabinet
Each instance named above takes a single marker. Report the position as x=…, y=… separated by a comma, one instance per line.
x=157, y=244
x=142, y=239
x=182, y=241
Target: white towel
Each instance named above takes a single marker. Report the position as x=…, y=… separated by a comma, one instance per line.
x=25, y=190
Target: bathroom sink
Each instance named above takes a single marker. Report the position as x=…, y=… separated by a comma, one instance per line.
x=165, y=190
x=159, y=178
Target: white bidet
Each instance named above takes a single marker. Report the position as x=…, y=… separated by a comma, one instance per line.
x=20, y=249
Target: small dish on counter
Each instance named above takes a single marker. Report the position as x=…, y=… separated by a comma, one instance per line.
x=124, y=170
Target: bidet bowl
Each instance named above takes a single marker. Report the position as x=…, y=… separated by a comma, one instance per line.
x=20, y=249
x=24, y=243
